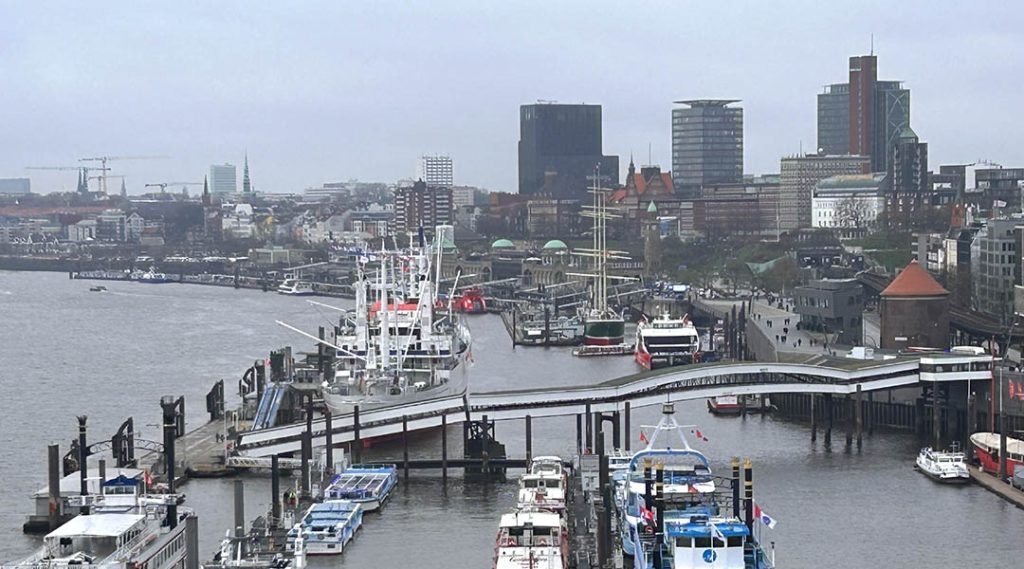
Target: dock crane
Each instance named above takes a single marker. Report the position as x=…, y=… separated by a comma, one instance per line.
x=82, y=170
x=163, y=185
x=104, y=159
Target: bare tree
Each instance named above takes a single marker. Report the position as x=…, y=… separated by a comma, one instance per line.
x=852, y=213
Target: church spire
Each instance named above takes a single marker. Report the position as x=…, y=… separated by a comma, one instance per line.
x=206, y=191
x=246, y=183
x=124, y=189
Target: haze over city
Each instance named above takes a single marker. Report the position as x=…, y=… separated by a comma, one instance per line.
x=319, y=92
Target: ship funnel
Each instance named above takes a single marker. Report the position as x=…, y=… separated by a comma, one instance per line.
x=668, y=409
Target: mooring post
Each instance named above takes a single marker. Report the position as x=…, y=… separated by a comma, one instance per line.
x=972, y=419
x=829, y=415
x=168, y=405
x=83, y=465
x=858, y=415
x=103, y=472
x=529, y=439
x=405, y=446
x=736, y=487
x=814, y=420
x=848, y=419
x=748, y=493
x=616, y=431
x=444, y=449
x=53, y=484
x=870, y=418
x=329, y=439
x=275, y=490
x=307, y=455
x=240, y=514
x=625, y=426
x=579, y=434
x=357, y=441
x=588, y=443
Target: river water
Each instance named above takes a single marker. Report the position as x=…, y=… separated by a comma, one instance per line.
x=66, y=351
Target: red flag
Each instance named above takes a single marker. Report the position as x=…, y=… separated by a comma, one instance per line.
x=643, y=438
x=1012, y=392
x=699, y=436
x=646, y=514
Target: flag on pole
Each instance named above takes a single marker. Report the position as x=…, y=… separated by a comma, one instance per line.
x=643, y=438
x=998, y=203
x=716, y=534
x=646, y=514
x=763, y=517
x=147, y=478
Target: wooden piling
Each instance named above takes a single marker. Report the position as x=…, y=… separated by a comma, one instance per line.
x=625, y=426
x=848, y=419
x=405, y=446
x=529, y=438
x=53, y=485
x=357, y=441
x=859, y=411
x=588, y=443
x=829, y=415
x=814, y=420
x=444, y=449
x=329, y=442
x=579, y=434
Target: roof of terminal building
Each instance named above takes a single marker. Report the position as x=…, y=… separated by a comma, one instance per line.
x=503, y=244
x=556, y=244
x=914, y=280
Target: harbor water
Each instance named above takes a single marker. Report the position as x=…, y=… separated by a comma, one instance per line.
x=65, y=351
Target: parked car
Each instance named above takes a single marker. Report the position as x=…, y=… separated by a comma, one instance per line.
x=1018, y=479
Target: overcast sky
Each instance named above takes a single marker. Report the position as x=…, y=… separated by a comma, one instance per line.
x=328, y=91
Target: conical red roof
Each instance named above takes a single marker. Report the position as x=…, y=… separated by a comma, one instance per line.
x=914, y=280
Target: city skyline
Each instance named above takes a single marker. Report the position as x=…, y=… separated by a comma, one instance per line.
x=313, y=106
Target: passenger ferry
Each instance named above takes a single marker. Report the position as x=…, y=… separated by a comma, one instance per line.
x=471, y=301
x=295, y=287
x=986, y=449
x=943, y=466
x=326, y=528
x=666, y=341
x=126, y=529
x=153, y=277
x=701, y=538
x=544, y=486
x=686, y=475
x=532, y=538
x=401, y=344
x=368, y=485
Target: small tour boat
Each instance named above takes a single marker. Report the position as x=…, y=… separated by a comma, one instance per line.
x=986, y=448
x=326, y=528
x=153, y=277
x=532, y=538
x=544, y=486
x=99, y=288
x=666, y=341
x=699, y=539
x=368, y=485
x=943, y=466
x=295, y=287
x=471, y=301
x=736, y=404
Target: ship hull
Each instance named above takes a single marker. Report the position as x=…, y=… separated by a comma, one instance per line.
x=604, y=332
x=457, y=384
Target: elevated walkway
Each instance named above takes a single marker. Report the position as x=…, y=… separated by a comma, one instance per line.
x=837, y=376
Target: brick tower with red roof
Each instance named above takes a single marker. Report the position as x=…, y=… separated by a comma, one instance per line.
x=914, y=311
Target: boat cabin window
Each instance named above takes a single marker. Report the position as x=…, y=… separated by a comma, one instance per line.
x=684, y=542
x=530, y=483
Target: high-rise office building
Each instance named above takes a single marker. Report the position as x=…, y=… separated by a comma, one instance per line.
x=707, y=144
x=800, y=174
x=908, y=170
x=223, y=179
x=435, y=170
x=560, y=148
x=834, y=119
x=864, y=116
x=422, y=206
x=15, y=186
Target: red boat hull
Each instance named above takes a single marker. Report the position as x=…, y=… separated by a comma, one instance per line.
x=990, y=461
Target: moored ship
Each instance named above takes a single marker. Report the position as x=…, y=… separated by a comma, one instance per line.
x=986, y=449
x=666, y=341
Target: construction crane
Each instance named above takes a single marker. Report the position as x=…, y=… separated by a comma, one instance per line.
x=82, y=170
x=104, y=159
x=163, y=185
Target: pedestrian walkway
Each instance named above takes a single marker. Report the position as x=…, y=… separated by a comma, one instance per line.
x=780, y=327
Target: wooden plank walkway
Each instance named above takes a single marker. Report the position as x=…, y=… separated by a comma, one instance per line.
x=1001, y=489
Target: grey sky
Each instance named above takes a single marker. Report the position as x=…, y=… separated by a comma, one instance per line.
x=328, y=91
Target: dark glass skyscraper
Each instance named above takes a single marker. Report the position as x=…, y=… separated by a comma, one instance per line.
x=559, y=148
x=864, y=116
x=707, y=145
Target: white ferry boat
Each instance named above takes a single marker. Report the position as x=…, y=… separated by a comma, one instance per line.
x=943, y=466
x=544, y=486
x=666, y=341
x=326, y=528
x=537, y=539
x=126, y=529
x=686, y=475
x=295, y=287
x=401, y=344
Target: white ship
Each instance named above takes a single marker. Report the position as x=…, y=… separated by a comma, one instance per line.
x=401, y=344
x=667, y=340
x=943, y=466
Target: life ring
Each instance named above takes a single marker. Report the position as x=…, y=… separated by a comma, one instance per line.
x=508, y=541
x=542, y=542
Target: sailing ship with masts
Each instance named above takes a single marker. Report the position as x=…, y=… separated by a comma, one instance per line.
x=603, y=326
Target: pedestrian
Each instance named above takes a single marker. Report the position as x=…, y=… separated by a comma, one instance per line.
x=776, y=338
x=800, y=342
